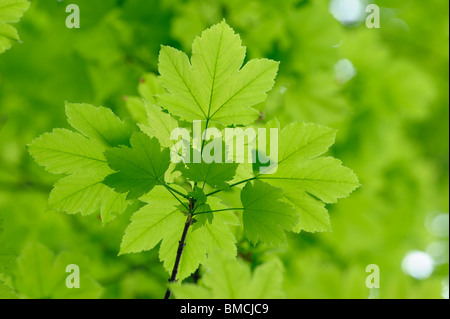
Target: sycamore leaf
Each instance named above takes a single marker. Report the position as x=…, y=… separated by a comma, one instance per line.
x=10, y=12
x=86, y=195
x=160, y=124
x=304, y=176
x=313, y=216
x=212, y=86
x=215, y=231
x=139, y=168
x=41, y=274
x=265, y=215
x=303, y=141
x=65, y=152
x=150, y=86
x=8, y=35
x=151, y=119
x=222, y=269
x=99, y=124
x=153, y=222
x=81, y=156
x=323, y=177
x=214, y=174
x=194, y=252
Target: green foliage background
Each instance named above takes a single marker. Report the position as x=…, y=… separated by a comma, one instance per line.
x=392, y=118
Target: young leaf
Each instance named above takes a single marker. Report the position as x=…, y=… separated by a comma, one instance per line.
x=265, y=215
x=213, y=86
x=139, y=168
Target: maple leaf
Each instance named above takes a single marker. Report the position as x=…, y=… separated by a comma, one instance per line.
x=212, y=86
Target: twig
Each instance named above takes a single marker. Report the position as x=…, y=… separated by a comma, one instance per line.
x=181, y=245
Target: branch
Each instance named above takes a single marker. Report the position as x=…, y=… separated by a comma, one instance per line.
x=181, y=245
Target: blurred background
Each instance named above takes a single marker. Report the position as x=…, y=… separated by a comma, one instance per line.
x=385, y=89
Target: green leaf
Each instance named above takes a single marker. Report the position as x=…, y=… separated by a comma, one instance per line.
x=41, y=274
x=265, y=215
x=160, y=124
x=6, y=291
x=313, y=216
x=215, y=230
x=304, y=141
x=323, y=177
x=65, y=152
x=194, y=252
x=213, y=86
x=136, y=108
x=86, y=194
x=214, y=174
x=139, y=168
x=267, y=282
x=10, y=12
x=190, y=291
x=153, y=222
x=150, y=86
x=99, y=124
x=8, y=35
x=227, y=278
x=162, y=220
x=304, y=176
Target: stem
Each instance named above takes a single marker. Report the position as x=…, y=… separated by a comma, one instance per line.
x=219, y=210
x=175, y=191
x=232, y=185
x=170, y=191
x=181, y=245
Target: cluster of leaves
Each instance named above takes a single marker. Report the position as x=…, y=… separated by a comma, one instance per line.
x=392, y=118
x=108, y=164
